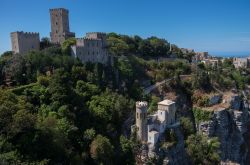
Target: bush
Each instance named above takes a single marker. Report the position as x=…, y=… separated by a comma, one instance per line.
x=186, y=126
x=43, y=80
x=201, y=115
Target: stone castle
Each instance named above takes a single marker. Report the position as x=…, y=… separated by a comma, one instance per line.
x=60, y=25
x=22, y=42
x=150, y=128
x=92, y=48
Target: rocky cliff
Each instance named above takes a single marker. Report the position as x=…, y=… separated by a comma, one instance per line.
x=174, y=155
x=230, y=126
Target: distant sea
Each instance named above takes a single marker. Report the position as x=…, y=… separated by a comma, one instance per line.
x=227, y=55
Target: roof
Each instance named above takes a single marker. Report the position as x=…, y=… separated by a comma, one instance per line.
x=166, y=102
x=153, y=131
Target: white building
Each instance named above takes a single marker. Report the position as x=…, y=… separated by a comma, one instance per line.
x=241, y=62
x=150, y=128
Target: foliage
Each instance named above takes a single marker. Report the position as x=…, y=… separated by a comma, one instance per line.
x=187, y=126
x=123, y=45
x=153, y=104
x=45, y=43
x=203, y=150
x=127, y=150
x=170, y=138
x=201, y=114
x=200, y=99
x=67, y=44
x=117, y=46
x=201, y=79
x=101, y=150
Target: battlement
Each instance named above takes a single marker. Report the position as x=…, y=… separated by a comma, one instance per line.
x=58, y=9
x=88, y=39
x=141, y=104
x=96, y=35
x=28, y=34
x=102, y=33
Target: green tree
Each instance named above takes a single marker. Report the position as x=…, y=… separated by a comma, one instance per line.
x=60, y=88
x=67, y=44
x=203, y=150
x=45, y=43
x=187, y=126
x=127, y=150
x=117, y=46
x=102, y=150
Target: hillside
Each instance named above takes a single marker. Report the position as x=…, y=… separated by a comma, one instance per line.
x=56, y=110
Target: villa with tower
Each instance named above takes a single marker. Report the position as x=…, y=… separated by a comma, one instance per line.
x=149, y=128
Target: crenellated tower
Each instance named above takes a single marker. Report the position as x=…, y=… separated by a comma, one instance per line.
x=60, y=30
x=141, y=120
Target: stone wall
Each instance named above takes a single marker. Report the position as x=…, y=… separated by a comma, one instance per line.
x=22, y=42
x=92, y=48
x=60, y=30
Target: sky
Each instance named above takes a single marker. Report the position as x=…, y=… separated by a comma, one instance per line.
x=221, y=27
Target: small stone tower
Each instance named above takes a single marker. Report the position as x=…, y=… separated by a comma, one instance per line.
x=60, y=25
x=141, y=120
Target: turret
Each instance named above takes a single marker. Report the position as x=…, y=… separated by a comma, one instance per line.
x=141, y=120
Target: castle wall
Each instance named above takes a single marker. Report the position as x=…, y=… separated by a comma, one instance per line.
x=23, y=42
x=91, y=49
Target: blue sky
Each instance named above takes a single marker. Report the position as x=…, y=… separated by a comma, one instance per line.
x=221, y=27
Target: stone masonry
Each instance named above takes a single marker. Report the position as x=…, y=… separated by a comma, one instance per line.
x=22, y=42
x=92, y=48
x=60, y=25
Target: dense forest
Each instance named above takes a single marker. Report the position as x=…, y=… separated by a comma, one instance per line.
x=56, y=110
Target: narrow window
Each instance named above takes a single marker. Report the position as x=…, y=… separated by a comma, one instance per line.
x=137, y=115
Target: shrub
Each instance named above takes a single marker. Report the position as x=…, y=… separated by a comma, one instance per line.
x=201, y=115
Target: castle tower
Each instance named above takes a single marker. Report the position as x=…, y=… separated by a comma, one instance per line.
x=60, y=25
x=22, y=42
x=141, y=120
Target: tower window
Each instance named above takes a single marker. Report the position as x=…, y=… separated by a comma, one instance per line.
x=137, y=115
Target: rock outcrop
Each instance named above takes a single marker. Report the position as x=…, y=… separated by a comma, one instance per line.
x=174, y=155
x=229, y=125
